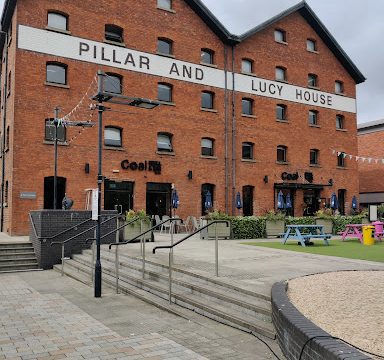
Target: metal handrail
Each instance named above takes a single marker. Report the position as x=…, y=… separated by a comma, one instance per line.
x=170, y=247
x=142, y=246
x=77, y=235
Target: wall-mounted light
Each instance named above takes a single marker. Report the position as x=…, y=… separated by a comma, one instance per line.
x=86, y=168
x=189, y=174
x=265, y=179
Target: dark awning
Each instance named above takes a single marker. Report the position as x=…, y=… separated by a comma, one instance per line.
x=299, y=186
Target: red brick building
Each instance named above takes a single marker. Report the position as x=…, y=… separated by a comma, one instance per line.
x=254, y=114
x=371, y=162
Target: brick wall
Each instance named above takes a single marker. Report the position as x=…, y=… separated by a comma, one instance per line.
x=49, y=223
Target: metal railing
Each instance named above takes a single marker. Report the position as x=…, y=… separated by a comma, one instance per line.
x=142, y=247
x=170, y=247
x=62, y=243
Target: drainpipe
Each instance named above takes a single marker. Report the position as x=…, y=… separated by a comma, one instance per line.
x=226, y=167
x=233, y=132
x=4, y=103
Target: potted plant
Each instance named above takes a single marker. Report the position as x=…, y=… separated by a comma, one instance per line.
x=142, y=224
x=324, y=217
x=223, y=230
x=364, y=216
x=274, y=223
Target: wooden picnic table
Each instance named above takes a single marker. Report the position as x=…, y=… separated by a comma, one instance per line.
x=353, y=231
x=304, y=233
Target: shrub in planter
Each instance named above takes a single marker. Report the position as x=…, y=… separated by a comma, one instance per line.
x=248, y=227
x=142, y=223
x=223, y=231
x=325, y=218
x=274, y=223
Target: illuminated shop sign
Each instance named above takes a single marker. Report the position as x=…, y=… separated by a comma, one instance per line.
x=71, y=47
x=154, y=166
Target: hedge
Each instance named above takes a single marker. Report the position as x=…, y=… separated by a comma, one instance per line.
x=253, y=227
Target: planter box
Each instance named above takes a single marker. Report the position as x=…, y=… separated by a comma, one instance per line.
x=223, y=231
x=133, y=230
x=327, y=223
x=274, y=228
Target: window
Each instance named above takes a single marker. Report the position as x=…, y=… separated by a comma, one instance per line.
x=281, y=112
x=312, y=80
x=339, y=87
x=58, y=21
x=341, y=159
x=280, y=36
x=113, y=83
x=207, y=56
x=313, y=117
x=207, y=99
x=56, y=73
x=6, y=194
x=112, y=136
x=339, y=122
x=9, y=85
x=164, y=46
x=207, y=147
x=7, y=139
x=164, y=142
x=281, y=74
x=282, y=153
x=50, y=131
x=247, y=150
x=164, y=92
x=247, y=66
x=113, y=33
x=311, y=45
x=314, y=157
x=164, y=4
x=247, y=106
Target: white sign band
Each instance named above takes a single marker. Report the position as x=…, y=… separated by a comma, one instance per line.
x=66, y=46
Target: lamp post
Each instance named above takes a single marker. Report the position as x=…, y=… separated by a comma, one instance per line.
x=101, y=97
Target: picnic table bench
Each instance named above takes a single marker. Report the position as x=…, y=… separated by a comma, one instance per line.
x=304, y=233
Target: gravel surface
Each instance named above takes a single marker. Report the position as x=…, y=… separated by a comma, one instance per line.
x=346, y=304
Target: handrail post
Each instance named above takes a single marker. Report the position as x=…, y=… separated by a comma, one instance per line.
x=171, y=229
x=170, y=264
x=117, y=257
x=62, y=258
x=143, y=248
x=216, y=252
x=93, y=256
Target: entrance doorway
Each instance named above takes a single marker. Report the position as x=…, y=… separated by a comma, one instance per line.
x=248, y=200
x=158, y=199
x=48, y=191
x=119, y=194
x=341, y=197
x=311, y=201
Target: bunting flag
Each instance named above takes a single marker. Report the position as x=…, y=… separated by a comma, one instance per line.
x=362, y=159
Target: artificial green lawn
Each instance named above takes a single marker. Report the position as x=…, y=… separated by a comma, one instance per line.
x=351, y=249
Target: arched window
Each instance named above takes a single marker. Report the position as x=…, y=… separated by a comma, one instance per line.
x=207, y=56
x=314, y=157
x=57, y=20
x=164, y=92
x=282, y=151
x=56, y=73
x=164, y=142
x=207, y=100
x=113, y=83
x=311, y=45
x=247, y=66
x=112, y=136
x=113, y=33
x=207, y=148
x=164, y=46
x=281, y=112
x=247, y=150
x=341, y=159
x=281, y=73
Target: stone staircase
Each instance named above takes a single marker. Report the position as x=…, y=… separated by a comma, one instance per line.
x=17, y=256
x=219, y=300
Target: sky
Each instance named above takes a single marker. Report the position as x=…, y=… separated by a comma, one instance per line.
x=357, y=25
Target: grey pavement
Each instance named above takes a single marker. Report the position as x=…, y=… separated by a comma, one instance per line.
x=46, y=316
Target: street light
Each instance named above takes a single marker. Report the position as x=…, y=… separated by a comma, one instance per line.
x=113, y=98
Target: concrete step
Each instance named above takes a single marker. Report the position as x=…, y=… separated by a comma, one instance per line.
x=248, y=304
x=73, y=272
x=15, y=250
x=217, y=310
x=18, y=260
x=18, y=267
x=10, y=245
x=17, y=255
